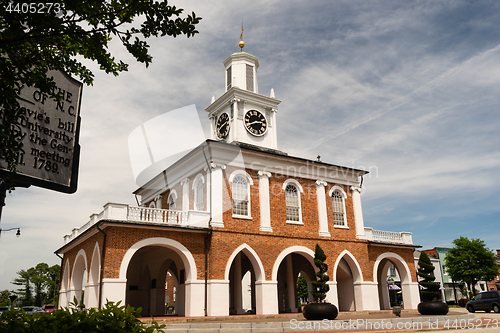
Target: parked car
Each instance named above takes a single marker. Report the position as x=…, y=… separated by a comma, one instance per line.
x=49, y=308
x=32, y=309
x=485, y=301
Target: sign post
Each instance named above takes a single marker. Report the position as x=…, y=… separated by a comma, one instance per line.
x=49, y=130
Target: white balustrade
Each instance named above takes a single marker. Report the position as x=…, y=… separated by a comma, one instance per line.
x=123, y=212
x=388, y=236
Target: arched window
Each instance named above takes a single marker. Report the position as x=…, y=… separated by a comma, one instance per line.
x=172, y=198
x=240, y=196
x=292, y=201
x=338, y=209
x=199, y=196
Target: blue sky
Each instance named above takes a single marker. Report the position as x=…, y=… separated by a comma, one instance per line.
x=406, y=89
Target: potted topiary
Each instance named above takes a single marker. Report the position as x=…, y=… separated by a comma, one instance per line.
x=319, y=309
x=430, y=304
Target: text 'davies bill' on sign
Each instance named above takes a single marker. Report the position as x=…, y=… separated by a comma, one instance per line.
x=50, y=132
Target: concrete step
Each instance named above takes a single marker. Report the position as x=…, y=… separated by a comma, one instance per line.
x=298, y=325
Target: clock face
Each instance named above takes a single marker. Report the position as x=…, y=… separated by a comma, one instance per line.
x=255, y=122
x=223, y=126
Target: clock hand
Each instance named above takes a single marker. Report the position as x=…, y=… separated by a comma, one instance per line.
x=255, y=122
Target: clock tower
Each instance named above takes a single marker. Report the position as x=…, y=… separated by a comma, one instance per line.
x=241, y=114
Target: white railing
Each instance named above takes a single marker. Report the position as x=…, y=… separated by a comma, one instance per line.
x=141, y=214
x=125, y=213
x=388, y=236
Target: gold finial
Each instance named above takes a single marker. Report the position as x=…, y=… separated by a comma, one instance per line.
x=241, y=44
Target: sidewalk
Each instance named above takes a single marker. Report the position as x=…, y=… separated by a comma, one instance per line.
x=380, y=321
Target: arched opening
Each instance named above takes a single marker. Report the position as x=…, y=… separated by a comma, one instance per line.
x=347, y=275
x=146, y=276
x=63, y=294
x=92, y=291
x=242, y=285
x=79, y=277
x=397, y=289
x=345, y=287
x=288, y=273
x=171, y=285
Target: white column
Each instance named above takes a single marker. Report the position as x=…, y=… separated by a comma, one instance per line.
x=113, y=290
x=91, y=295
x=322, y=215
x=218, y=298
x=291, y=282
x=366, y=296
x=194, y=299
x=63, y=299
x=185, y=194
x=411, y=294
x=332, y=294
x=358, y=212
x=237, y=285
x=265, y=210
x=266, y=295
x=217, y=195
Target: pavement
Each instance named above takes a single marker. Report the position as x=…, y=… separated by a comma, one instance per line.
x=355, y=321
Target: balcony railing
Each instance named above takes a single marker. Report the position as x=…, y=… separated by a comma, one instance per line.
x=388, y=236
x=125, y=213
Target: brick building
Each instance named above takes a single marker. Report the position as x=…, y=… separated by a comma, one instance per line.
x=232, y=207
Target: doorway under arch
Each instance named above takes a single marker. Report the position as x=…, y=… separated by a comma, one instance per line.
x=408, y=295
x=290, y=264
x=146, y=276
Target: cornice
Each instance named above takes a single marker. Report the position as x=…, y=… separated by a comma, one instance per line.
x=239, y=94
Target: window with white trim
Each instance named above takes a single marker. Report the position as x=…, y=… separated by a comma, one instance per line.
x=172, y=198
x=292, y=200
x=241, y=196
x=199, y=196
x=338, y=209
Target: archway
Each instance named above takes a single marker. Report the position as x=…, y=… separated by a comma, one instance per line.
x=289, y=264
x=406, y=291
x=63, y=294
x=146, y=276
x=78, y=277
x=92, y=290
x=155, y=252
x=245, y=261
x=242, y=285
x=347, y=274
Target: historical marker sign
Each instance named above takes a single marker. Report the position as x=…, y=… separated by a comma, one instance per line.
x=50, y=132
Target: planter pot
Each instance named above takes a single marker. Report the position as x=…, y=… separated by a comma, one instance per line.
x=433, y=308
x=320, y=311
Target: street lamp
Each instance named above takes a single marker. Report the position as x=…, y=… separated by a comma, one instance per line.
x=18, y=233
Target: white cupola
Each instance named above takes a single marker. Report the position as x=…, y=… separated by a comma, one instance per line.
x=241, y=114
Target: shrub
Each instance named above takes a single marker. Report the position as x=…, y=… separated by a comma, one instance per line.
x=321, y=278
x=426, y=272
x=113, y=318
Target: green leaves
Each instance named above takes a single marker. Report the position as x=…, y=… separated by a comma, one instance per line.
x=33, y=43
x=113, y=318
x=470, y=261
x=45, y=281
x=321, y=278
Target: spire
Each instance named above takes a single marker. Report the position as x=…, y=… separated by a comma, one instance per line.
x=241, y=44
